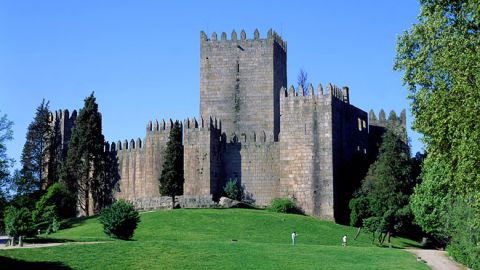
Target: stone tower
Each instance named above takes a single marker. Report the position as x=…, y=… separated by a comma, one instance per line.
x=240, y=81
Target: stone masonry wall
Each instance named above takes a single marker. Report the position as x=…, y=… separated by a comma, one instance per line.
x=140, y=163
x=253, y=160
x=240, y=80
x=306, y=153
x=202, y=158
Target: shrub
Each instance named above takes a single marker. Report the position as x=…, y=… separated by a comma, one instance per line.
x=283, y=205
x=58, y=196
x=233, y=190
x=18, y=222
x=120, y=220
x=56, y=204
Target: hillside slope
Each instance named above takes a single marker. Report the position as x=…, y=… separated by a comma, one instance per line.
x=202, y=239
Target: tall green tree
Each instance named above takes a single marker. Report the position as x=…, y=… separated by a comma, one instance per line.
x=440, y=58
x=6, y=134
x=381, y=203
x=171, y=180
x=35, y=152
x=83, y=167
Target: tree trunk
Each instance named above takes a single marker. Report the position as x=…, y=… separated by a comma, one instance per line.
x=173, y=202
x=358, y=233
x=384, y=236
x=380, y=237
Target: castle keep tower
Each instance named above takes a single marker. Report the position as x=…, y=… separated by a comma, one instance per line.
x=240, y=81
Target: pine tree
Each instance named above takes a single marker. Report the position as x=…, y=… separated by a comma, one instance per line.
x=6, y=134
x=381, y=203
x=34, y=158
x=83, y=168
x=171, y=179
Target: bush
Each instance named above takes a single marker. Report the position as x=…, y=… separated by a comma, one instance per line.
x=120, y=220
x=283, y=205
x=56, y=204
x=233, y=190
x=18, y=222
x=58, y=196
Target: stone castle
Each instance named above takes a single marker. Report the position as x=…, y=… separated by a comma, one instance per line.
x=313, y=148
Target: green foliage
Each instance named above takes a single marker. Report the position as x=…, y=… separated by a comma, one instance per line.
x=233, y=190
x=360, y=210
x=35, y=152
x=84, y=164
x=54, y=205
x=18, y=222
x=171, y=180
x=283, y=205
x=6, y=134
x=440, y=58
x=431, y=200
x=464, y=245
x=120, y=220
x=381, y=203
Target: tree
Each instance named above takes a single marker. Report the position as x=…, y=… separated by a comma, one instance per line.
x=171, y=180
x=381, y=203
x=6, y=134
x=35, y=154
x=302, y=81
x=440, y=58
x=18, y=222
x=83, y=168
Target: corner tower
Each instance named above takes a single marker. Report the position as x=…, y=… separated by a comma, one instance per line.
x=240, y=81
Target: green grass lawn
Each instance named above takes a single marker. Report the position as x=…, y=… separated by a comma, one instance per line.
x=202, y=239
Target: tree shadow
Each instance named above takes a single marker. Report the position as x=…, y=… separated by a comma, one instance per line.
x=11, y=263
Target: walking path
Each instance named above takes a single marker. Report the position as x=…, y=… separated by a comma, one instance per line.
x=436, y=259
x=2, y=247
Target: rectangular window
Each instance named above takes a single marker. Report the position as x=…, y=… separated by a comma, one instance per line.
x=359, y=124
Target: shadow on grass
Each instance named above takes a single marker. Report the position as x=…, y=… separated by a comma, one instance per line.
x=75, y=222
x=11, y=263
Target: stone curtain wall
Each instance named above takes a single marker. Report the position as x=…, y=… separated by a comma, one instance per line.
x=240, y=80
x=306, y=150
x=202, y=157
x=252, y=159
x=140, y=162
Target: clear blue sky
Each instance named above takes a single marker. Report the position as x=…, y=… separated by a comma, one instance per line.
x=142, y=57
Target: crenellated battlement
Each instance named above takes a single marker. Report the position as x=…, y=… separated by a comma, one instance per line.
x=127, y=145
x=63, y=115
x=332, y=91
x=155, y=126
x=208, y=124
x=382, y=120
x=272, y=36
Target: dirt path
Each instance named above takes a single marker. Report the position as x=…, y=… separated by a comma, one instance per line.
x=436, y=259
x=2, y=247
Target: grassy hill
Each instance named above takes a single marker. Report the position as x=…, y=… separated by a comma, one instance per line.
x=202, y=239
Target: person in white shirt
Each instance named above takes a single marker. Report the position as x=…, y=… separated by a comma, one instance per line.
x=344, y=241
x=294, y=236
